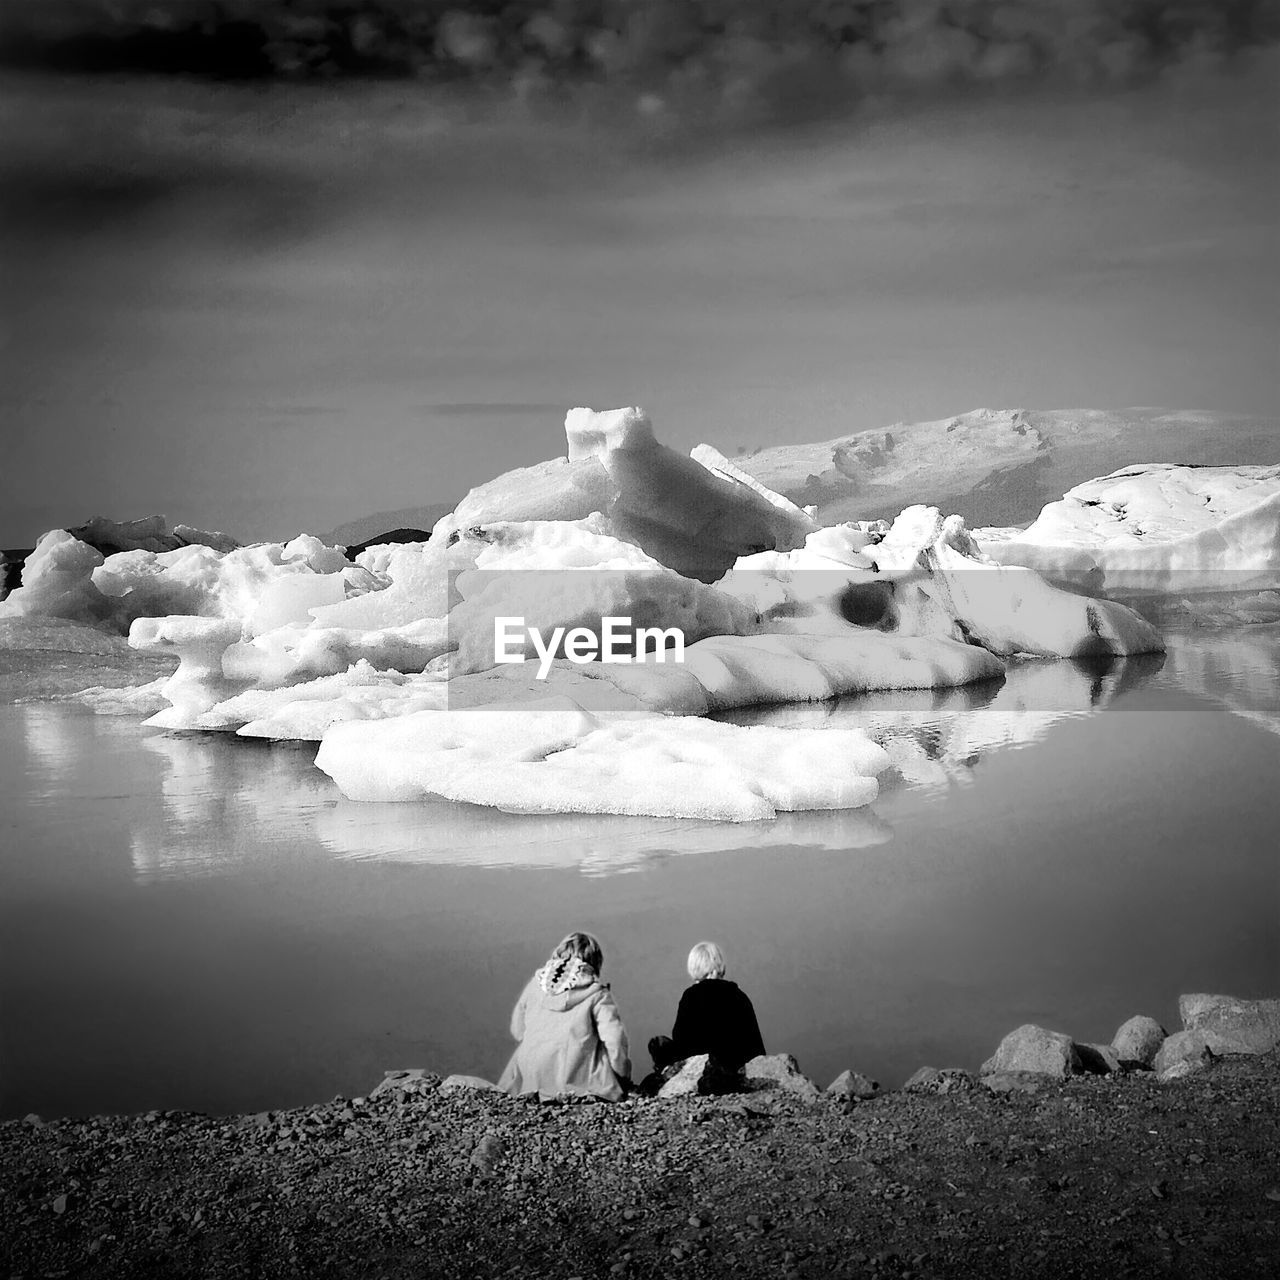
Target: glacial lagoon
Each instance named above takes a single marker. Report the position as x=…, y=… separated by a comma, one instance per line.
x=194, y=921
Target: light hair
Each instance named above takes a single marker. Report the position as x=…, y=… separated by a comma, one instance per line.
x=706, y=960
x=583, y=945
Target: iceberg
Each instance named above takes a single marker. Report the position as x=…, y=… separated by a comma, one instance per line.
x=925, y=575
x=553, y=756
x=392, y=663
x=1156, y=530
x=696, y=519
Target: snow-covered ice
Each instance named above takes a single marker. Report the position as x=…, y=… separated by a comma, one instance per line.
x=555, y=757
x=1156, y=528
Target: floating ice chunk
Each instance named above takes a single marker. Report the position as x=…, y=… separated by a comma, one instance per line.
x=1156, y=528
x=291, y=600
x=150, y=533
x=554, y=757
x=925, y=576
x=689, y=517
x=740, y=671
x=715, y=462
x=680, y=512
x=592, y=435
x=413, y=581
x=198, y=683
x=57, y=583
x=198, y=580
x=303, y=711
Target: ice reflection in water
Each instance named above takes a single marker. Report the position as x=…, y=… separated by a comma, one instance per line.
x=228, y=803
x=1238, y=668
x=936, y=737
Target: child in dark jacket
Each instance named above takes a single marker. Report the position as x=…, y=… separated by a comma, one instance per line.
x=715, y=1017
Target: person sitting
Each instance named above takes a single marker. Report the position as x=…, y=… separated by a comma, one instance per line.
x=715, y=1016
x=572, y=1040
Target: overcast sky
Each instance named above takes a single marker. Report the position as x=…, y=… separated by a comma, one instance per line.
x=268, y=311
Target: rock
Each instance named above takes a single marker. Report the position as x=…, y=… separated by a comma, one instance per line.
x=700, y=1075
x=1139, y=1040
x=488, y=1153
x=1183, y=1067
x=1014, y=1081
x=1032, y=1048
x=779, y=1071
x=935, y=1080
x=450, y=1083
x=1235, y=1026
x=60, y=1204
x=850, y=1084
x=409, y=1080
x=1099, y=1059
x=1192, y=1047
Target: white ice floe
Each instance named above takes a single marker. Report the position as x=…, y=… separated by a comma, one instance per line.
x=1156, y=529
x=57, y=583
x=691, y=517
x=265, y=585
x=926, y=576
x=553, y=756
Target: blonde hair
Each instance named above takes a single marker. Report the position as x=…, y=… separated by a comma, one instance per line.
x=706, y=960
x=583, y=946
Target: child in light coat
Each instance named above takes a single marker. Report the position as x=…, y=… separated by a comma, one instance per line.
x=571, y=1036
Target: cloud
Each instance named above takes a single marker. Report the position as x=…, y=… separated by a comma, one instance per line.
x=739, y=57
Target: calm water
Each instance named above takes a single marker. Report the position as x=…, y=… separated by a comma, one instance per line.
x=192, y=921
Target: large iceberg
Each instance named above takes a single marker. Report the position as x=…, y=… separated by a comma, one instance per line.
x=393, y=664
x=1156, y=529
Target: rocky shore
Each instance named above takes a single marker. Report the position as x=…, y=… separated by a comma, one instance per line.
x=1052, y=1161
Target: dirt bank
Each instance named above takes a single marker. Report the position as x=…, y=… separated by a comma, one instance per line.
x=1091, y=1177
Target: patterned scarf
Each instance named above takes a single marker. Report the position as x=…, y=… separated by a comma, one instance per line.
x=563, y=973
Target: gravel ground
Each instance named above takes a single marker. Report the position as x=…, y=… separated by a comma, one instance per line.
x=1094, y=1177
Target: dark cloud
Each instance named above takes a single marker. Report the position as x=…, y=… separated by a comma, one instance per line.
x=729, y=55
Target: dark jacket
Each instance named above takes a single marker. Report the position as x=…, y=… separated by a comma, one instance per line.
x=716, y=1017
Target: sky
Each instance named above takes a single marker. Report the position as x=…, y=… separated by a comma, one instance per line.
x=275, y=309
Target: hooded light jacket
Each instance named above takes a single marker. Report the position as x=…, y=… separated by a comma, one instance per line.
x=571, y=1041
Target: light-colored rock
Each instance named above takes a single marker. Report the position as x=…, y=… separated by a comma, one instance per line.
x=852, y=1084
x=1183, y=1067
x=488, y=1153
x=700, y=1075
x=779, y=1071
x=1181, y=1047
x=1034, y=1049
x=935, y=1080
x=450, y=1083
x=1138, y=1040
x=407, y=1080
x=1232, y=1025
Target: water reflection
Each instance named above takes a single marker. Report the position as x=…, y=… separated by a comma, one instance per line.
x=213, y=804
x=1239, y=669
x=935, y=737
x=598, y=844
x=226, y=803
